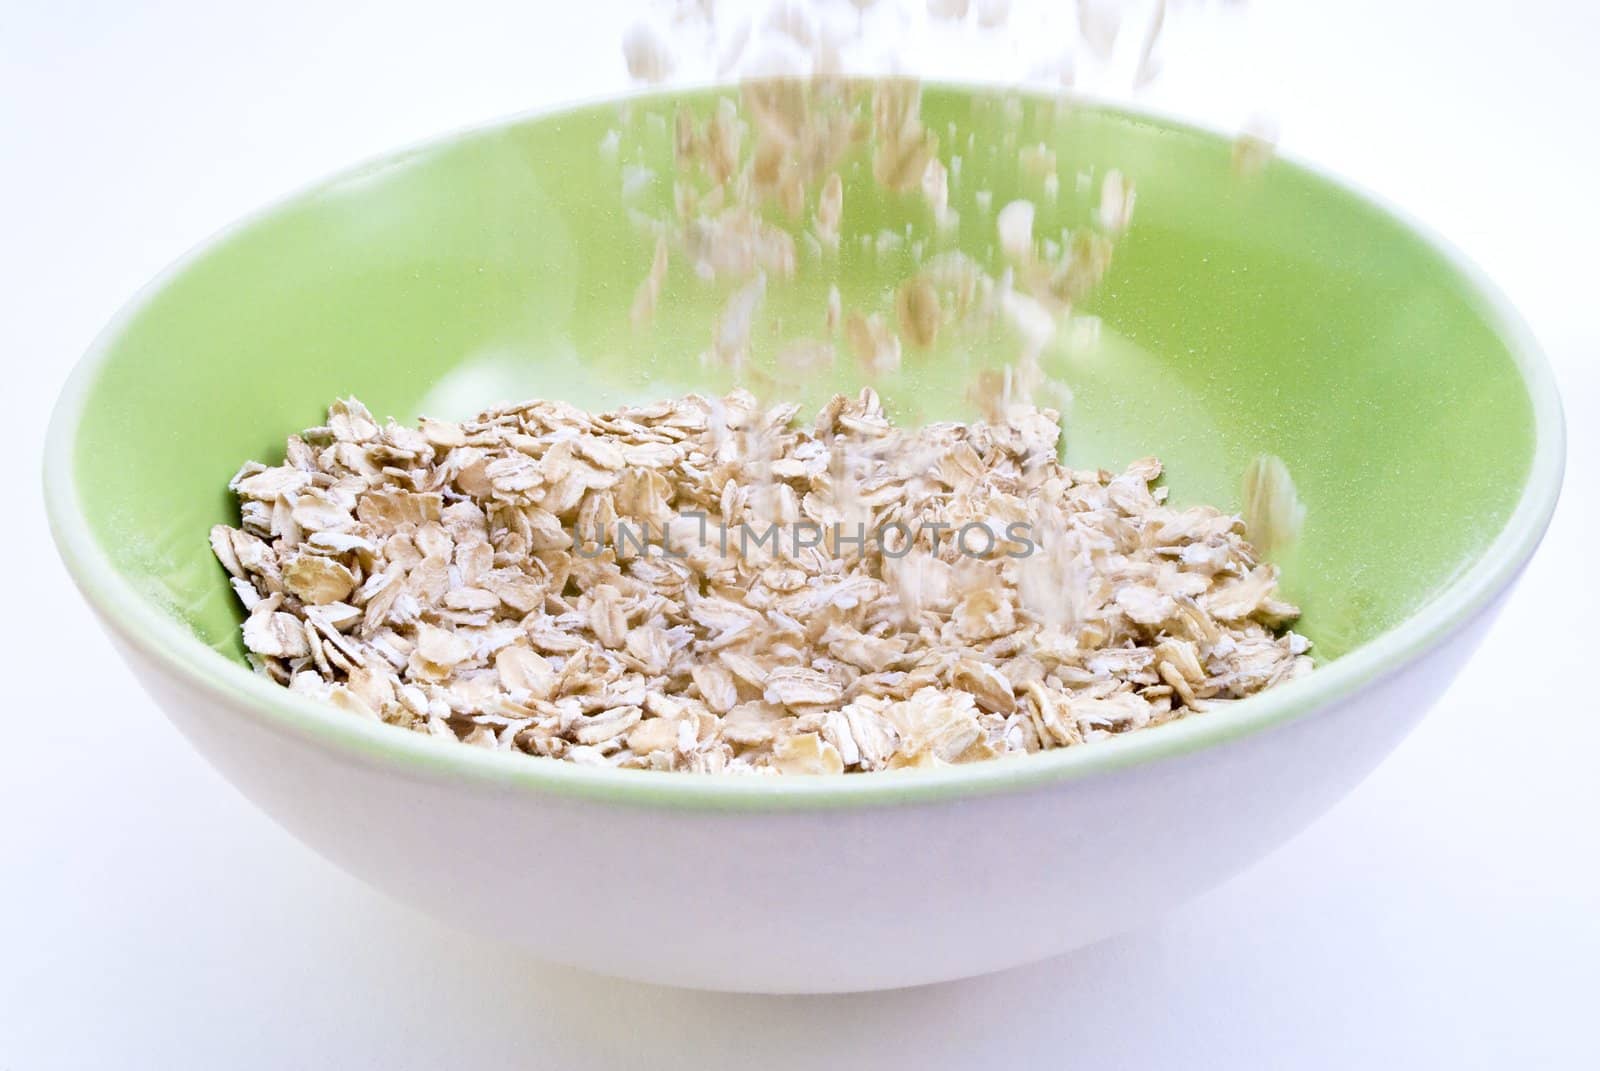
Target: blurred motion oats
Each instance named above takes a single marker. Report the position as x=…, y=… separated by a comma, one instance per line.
x=709, y=585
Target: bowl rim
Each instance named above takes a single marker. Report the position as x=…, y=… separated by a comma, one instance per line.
x=167, y=644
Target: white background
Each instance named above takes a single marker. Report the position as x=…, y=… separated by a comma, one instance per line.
x=1446, y=915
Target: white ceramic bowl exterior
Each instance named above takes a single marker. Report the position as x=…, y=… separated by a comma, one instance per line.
x=818, y=899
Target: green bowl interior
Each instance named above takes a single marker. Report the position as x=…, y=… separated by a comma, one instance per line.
x=1277, y=314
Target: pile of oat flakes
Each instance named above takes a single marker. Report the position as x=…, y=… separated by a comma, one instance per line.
x=446, y=579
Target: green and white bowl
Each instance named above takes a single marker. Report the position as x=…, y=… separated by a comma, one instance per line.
x=1280, y=314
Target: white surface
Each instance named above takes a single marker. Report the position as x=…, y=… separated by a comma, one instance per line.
x=1447, y=914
